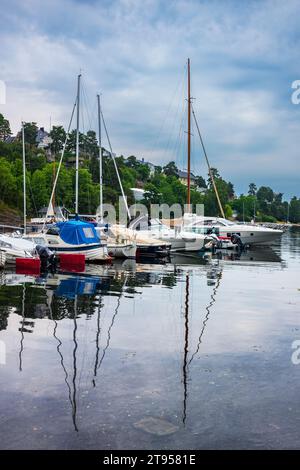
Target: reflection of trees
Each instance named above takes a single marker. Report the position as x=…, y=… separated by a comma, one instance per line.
x=11, y=300
x=63, y=305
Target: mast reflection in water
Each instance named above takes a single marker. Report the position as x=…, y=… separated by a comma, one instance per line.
x=154, y=356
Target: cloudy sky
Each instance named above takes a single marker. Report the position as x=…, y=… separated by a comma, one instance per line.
x=244, y=57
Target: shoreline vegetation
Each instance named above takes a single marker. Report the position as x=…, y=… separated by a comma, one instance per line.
x=161, y=184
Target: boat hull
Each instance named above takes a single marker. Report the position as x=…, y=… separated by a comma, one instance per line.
x=253, y=237
x=2, y=259
x=95, y=253
x=122, y=250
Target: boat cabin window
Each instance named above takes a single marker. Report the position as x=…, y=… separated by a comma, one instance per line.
x=5, y=245
x=53, y=231
x=88, y=232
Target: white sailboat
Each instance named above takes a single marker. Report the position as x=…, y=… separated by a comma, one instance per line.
x=118, y=246
x=248, y=234
x=143, y=246
x=72, y=236
x=14, y=246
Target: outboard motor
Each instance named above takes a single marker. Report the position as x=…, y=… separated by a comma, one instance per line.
x=47, y=257
x=217, y=244
x=236, y=240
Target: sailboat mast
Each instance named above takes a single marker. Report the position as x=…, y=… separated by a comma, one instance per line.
x=77, y=146
x=100, y=160
x=189, y=139
x=24, y=178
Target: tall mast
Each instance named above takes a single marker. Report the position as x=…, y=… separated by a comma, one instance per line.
x=77, y=145
x=24, y=178
x=189, y=139
x=100, y=159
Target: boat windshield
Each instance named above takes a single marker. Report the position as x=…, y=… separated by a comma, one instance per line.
x=218, y=222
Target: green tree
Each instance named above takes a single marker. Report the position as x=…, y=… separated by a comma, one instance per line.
x=30, y=132
x=143, y=172
x=90, y=144
x=252, y=189
x=294, y=215
x=8, y=186
x=58, y=136
x=215, y=174
x=200, y=182
x=265, y=197
x=171, y=169
x=152, y=195
x=4, y=128
x=71, y=144
x=132, y=162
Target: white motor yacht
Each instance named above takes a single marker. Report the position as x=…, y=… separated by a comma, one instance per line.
x=16, y=247
x=249, y=234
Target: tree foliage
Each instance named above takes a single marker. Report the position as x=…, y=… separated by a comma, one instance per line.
x=163, y=186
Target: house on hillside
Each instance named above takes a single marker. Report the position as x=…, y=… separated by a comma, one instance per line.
x=183, y=178
x=43, y=138
x=10, y=139
x=43, y=141
x=150, y=165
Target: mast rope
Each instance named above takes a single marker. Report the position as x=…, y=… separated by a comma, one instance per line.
x=59, y=165
x=208, y=165
x=115, y=165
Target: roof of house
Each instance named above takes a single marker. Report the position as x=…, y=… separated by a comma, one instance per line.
x=9, y=139
x=41, y=133
x=146, y=163
x=184, y=174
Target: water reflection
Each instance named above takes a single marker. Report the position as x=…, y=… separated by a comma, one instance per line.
x=134, y=333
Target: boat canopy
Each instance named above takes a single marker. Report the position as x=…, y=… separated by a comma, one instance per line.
x=77, y=232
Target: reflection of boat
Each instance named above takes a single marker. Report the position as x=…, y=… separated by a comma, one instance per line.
x=190, y=259
x=72, y=286
x=251, y=256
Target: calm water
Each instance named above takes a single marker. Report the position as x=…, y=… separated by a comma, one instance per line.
x=187, y=355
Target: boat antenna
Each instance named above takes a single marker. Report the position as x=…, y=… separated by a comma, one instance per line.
x=115, y=164
x=24, y=177
x=77, y=146
x=208, y=165
x=100, y=159
x=189, y=138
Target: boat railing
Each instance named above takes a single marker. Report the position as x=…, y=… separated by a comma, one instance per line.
x=10, y=228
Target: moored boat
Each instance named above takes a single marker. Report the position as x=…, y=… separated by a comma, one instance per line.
x=73, y=237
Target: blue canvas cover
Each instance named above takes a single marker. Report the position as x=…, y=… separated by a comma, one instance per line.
x=77, y=232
